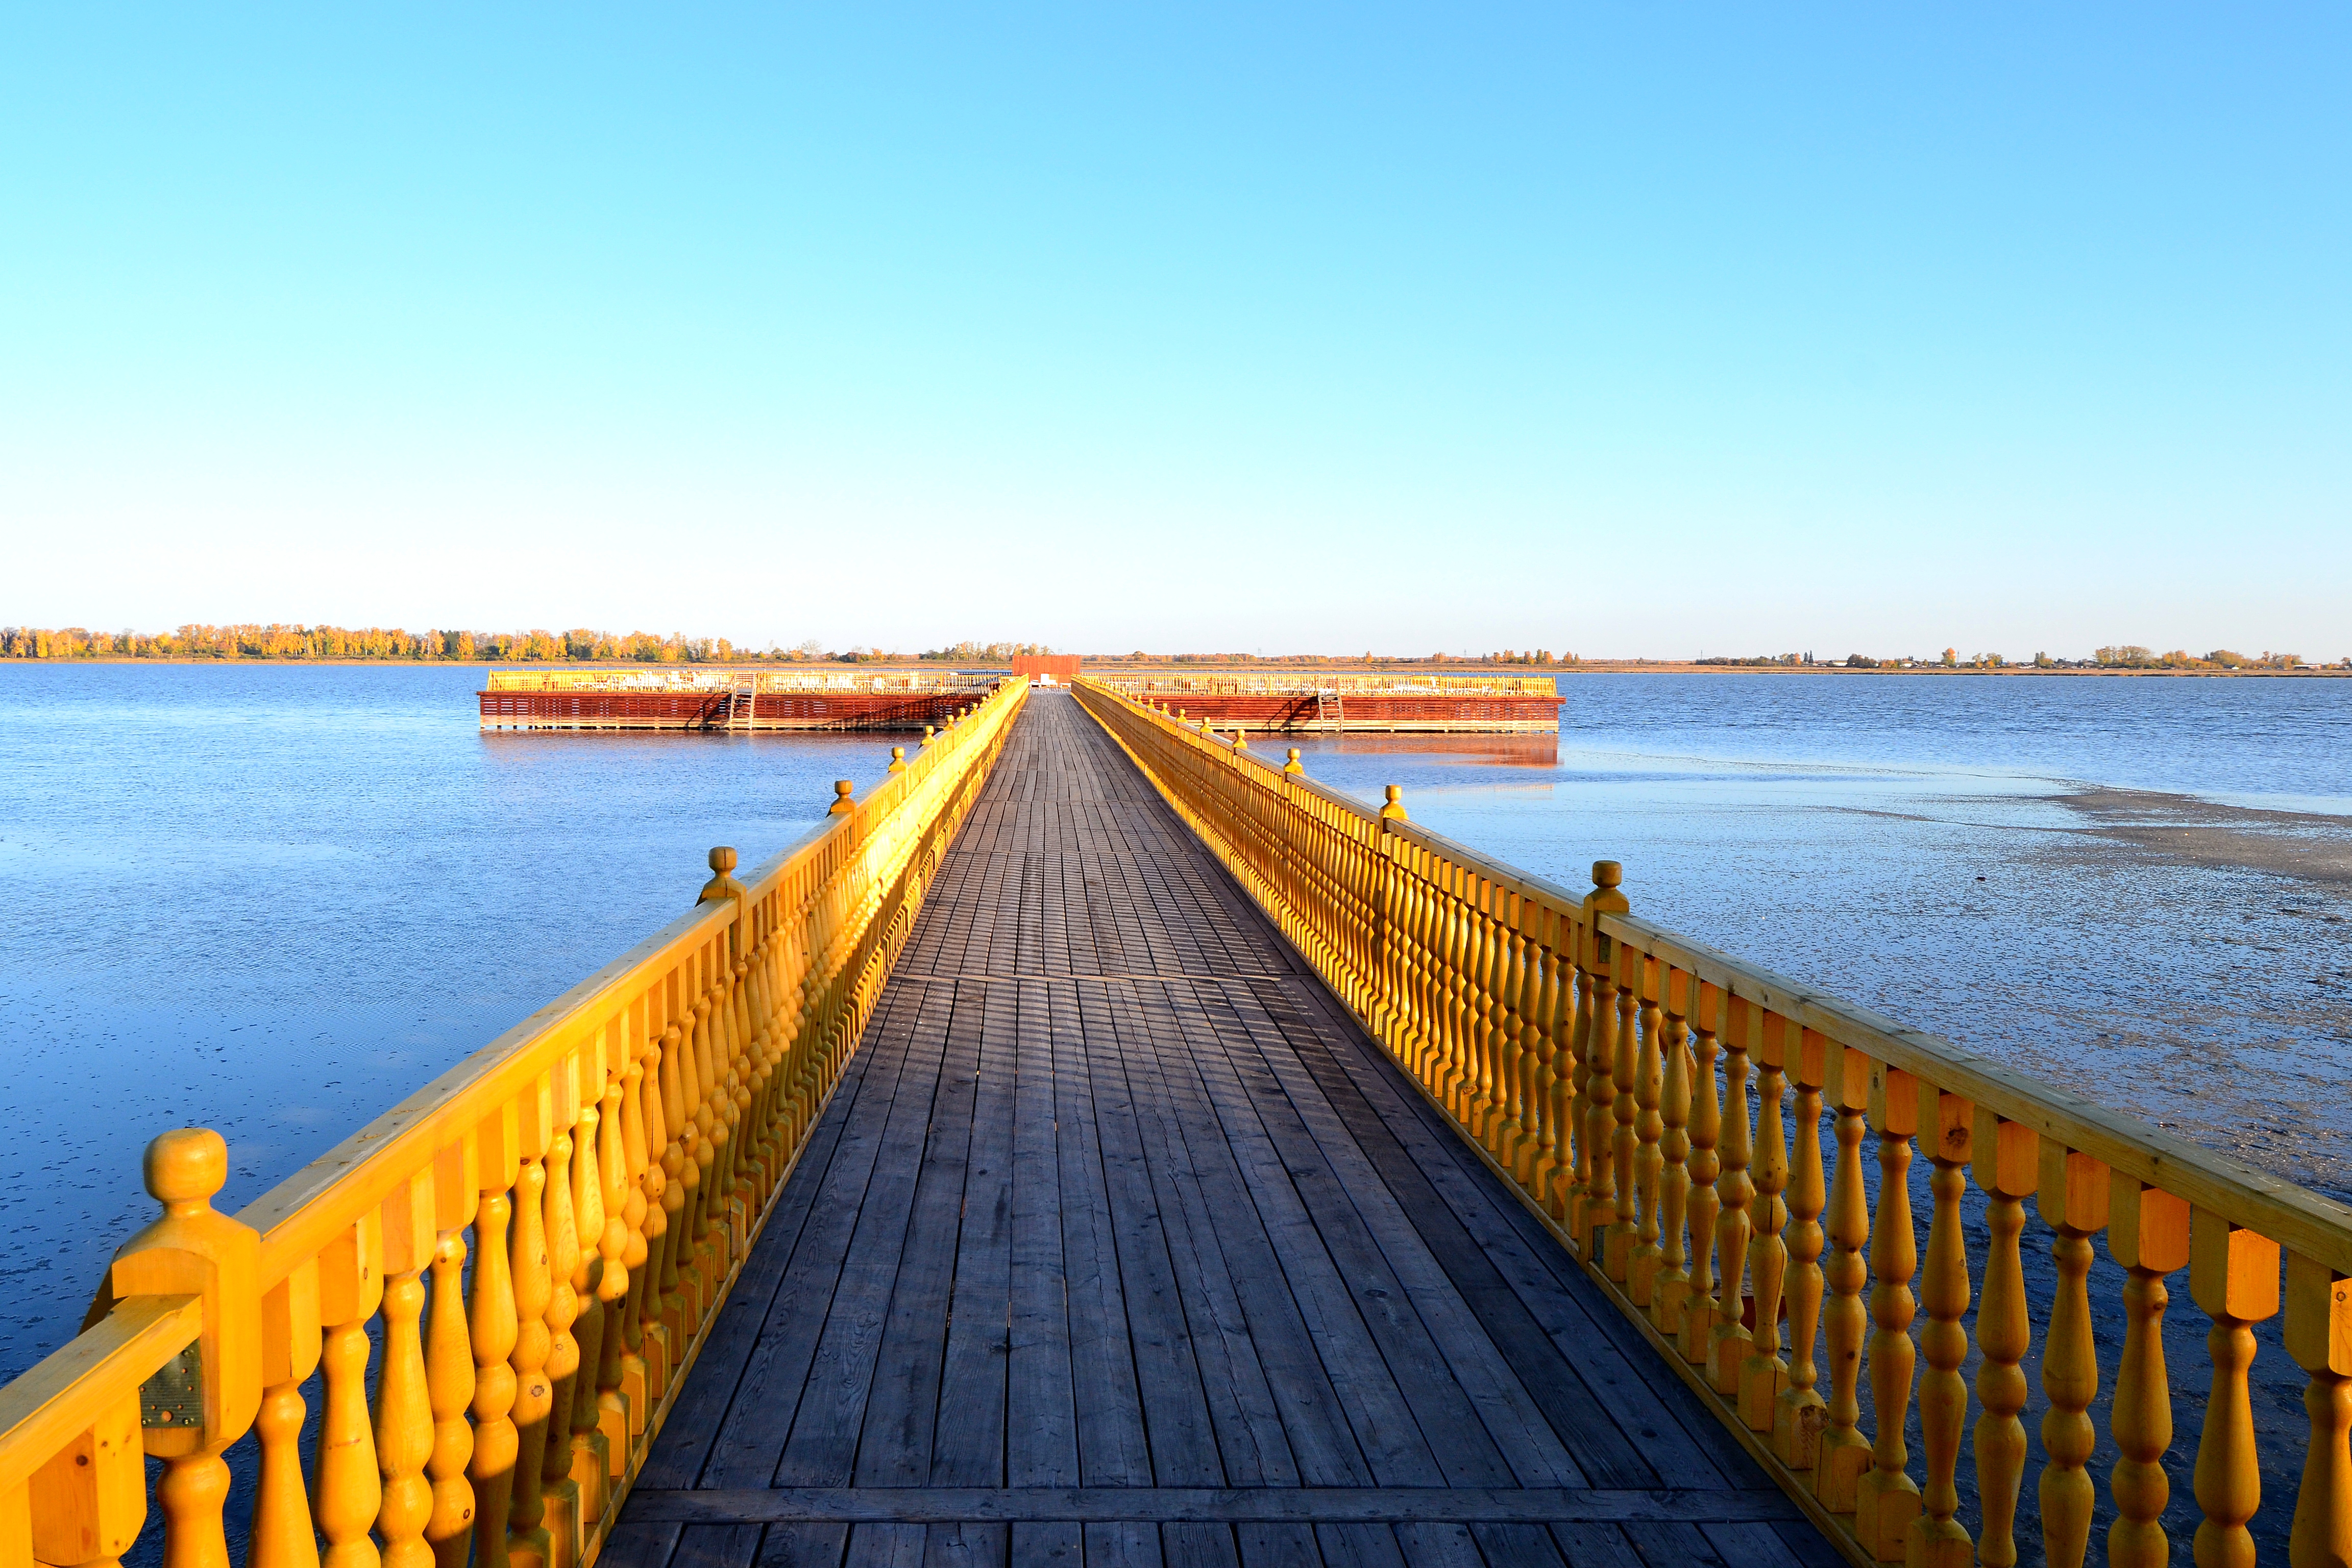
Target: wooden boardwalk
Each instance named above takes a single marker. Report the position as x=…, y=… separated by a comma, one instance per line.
x=1120, y=1243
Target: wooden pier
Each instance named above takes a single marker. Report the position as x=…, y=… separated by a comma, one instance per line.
x=1120, y=1243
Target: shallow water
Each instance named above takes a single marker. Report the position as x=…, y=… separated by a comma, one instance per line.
x=275, y=901
x=1928, y=847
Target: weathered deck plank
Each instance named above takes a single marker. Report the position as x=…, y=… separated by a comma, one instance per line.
x=1120, y=1243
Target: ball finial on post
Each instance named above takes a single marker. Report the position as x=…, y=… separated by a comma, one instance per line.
x=184, y=1167
x=841, y=805
x=1394, y=810
x=898, y=759
x=1241, y=738
x=721, y=885
x=1294, y=765
x=1607, y=873
x=931, y=733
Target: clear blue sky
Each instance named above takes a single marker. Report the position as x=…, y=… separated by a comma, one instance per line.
x=1620, y=330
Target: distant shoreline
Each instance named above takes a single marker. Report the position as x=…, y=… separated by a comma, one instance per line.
x=1202, y=667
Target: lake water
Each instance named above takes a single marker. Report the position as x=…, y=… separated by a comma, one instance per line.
x=274, y=901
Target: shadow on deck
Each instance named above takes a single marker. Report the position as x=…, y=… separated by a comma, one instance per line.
x=1120, y=1243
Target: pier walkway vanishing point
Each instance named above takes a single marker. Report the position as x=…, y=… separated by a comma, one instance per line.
x=1120, y=1243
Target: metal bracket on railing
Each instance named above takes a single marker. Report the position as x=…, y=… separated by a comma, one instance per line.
x=173, y=1399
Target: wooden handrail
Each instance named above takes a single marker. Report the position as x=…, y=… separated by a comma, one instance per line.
x=532, y=1246
x=1602, y=1064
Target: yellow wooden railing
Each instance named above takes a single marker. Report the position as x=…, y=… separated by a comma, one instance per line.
x=1276, y=684
x=1602, y=1065
x=605, y=1164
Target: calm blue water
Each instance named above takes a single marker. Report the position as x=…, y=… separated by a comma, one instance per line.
x=275, y=901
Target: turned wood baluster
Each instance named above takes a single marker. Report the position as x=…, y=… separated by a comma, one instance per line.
x=449, y=1391
x=1539, y=1155
x=1575, y=1184
x=493, y=1330
x=1480, y=1110
x=346, y=1489
x=561, y=1495
x=1887, y=1500
x=1937, y=1540
x=650, y=1338
x=527, y=1267
x=2008, y=1165
x=591, y=1460
x=1798, y=1413
x=404, y=1408
x=1763, y=1373
x=1511, y=1038
x=1843, y=1453
x=1699, y=1304
x=677, y=1164
x=1643, y=1253
x=282, y=1533
x=2319, y=1338
x=2074, y=1202
x=1617, y=1246
x=1453, y=958
x=1670, y=1292
x=615, y=1417
x=1600, y=1211
x=2234, y=1273
x=1729, y=1341
x=2148, y=1233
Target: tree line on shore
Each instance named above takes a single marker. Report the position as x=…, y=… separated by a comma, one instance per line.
x=291, y=643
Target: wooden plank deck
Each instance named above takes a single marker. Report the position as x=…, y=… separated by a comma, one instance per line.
x=1120, y=1243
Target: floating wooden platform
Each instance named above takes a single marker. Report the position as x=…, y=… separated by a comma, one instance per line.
x=1120, y=1243
x=1356, y=704
x=721, y=699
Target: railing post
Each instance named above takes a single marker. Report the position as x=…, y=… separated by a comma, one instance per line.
x=192, y=1250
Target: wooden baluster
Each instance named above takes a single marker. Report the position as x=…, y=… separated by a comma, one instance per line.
x=1643, y=1255
x=590, y=1462
x=562, y=1497
x=1600, y=1215
x=2234, y=1273
x=403, y=1407
x=1575, y=1142
x=1887, y=1500
x=449, y=1391
x=1555, y=1167
x=1670, y=1292
x=2007, y=1160
x=346, y=1489
x=1700, y=1305
x=1481, y=1106
x=1452, y=953
x=492, y=1328
x=1763, y=1373
x=282, y=1534
x=1511, y=1037
x=534, y=1289
x=1539, y=1152
x=1938, y=1539
x=1843, y=1455
x=677, y=1313
x=1617, y=1246
x=648, y=1338
x=1729, y=1341
x=2073, y=1202
x=1800, y=1413
x=2319, y=1338
x=615, y=1417
x=2147, y=1233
